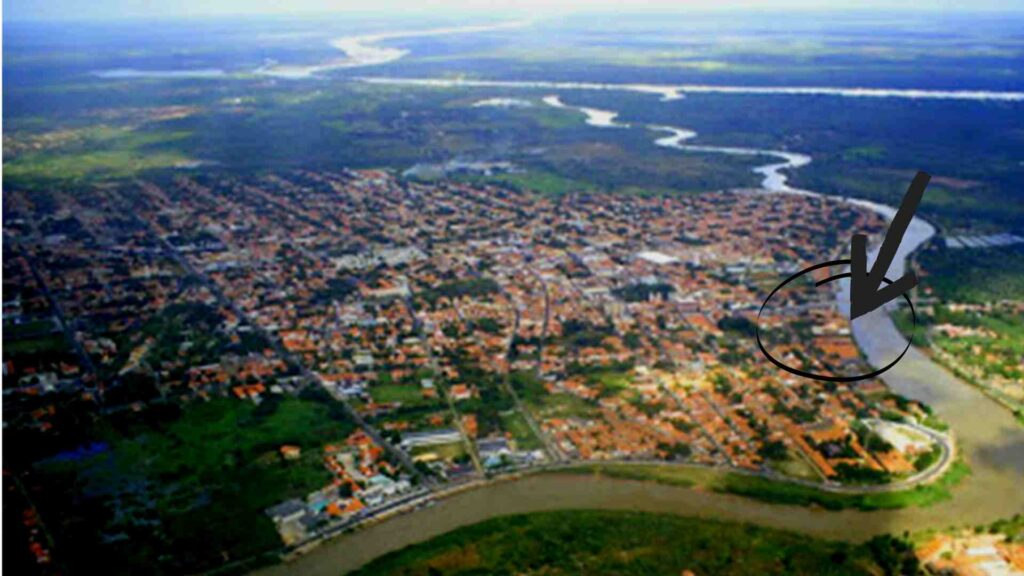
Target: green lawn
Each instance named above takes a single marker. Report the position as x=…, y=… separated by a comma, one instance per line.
x=449, y=451
x=544, y=404
x=523, y=435
x=407, y=395
x=796, y=467
x=613, y=381
x=601, y=542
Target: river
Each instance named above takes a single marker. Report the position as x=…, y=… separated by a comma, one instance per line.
x=988, y=435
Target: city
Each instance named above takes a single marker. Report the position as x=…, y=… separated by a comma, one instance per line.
x=535, y=288
x=467, y=331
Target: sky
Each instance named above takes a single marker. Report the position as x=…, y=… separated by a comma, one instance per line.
x=20, y=10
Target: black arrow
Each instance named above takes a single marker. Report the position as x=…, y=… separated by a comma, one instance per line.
x=865, y=295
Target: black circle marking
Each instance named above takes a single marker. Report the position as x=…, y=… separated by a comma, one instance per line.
x=824, y=377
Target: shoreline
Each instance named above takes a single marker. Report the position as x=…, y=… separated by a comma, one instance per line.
x=670, y=92
x=926, y=477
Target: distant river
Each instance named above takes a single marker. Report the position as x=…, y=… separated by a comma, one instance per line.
x=988, y=435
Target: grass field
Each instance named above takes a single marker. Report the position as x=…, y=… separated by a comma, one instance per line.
x=545, y=183
x=516, y=423
x=407, y=395
x=449, y=451
x=562, y=406
x=100, y=151
x=612, y=381
x=600, y=542
x=796, y=467
x=779, y=492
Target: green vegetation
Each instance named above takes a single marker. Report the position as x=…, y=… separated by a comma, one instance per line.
x=974, y=275
x=995, y=351
x=779, y=492
x=545, y=183
x=611, y=381
x=186, y=334
x=545, y=404
x=408, y=395
x=562, y=405
x=453, y=451
x=985, y=352
x=929, y=458
x=983, y=342
x=935, y=423
x=601, y=542
x=30, y=329
x=185, y=491
x=516, y=424
x=864, y=153
x=1013, y=528
x=470, y=287
x=796, y=467
x=643, y=292
x=552, y=118
x=31, y=346
x=99, y=151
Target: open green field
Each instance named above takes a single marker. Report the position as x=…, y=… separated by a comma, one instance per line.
x=451, y=451
x=600, y=542
x=516, y=424
x=99, y=151
x=562, y=405
x=186, y=492
x=406, y=394
x=796, y=467
x=547, y=405
x=778, y=492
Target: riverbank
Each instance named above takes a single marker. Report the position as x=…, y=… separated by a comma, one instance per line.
x=779, y=491
x=602, y=542
x=711, y=483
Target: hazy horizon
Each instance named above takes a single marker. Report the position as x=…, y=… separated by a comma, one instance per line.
x=112, y=10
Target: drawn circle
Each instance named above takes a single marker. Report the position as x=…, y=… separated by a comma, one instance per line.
x=825, y=377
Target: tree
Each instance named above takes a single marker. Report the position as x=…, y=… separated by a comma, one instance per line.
x=773, y=450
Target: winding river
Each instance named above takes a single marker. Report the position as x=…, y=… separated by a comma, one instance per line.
x=988, y=435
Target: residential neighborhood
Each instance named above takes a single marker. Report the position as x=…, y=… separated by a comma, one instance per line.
x=467, y=331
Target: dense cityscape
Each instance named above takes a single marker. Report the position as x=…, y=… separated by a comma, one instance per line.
x=469, y=331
